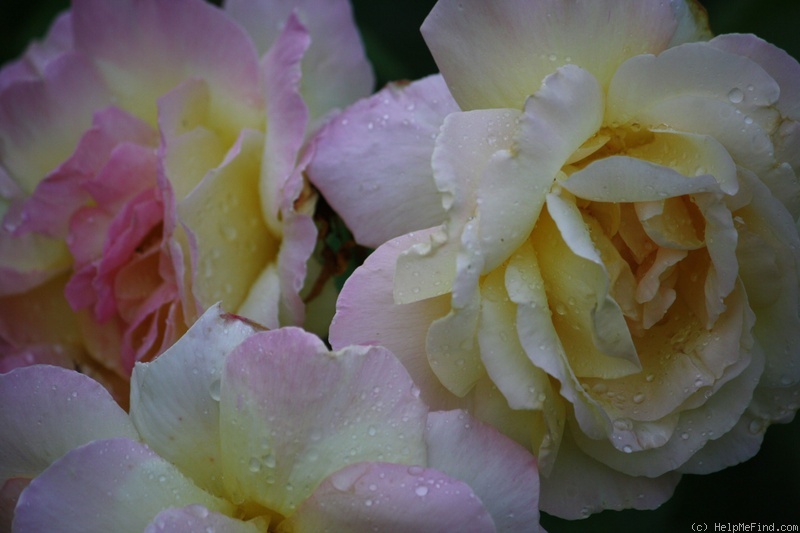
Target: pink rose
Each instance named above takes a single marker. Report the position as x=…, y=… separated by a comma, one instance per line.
x=151, y=158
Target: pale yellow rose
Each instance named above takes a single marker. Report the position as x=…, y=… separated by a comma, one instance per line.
x=609, y=272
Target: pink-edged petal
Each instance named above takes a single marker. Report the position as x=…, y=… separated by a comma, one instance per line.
x=335, y=70
x=502, y=473
x=39, y=53
x=366, y=314
x=230, y=243
x=292, y=413
x=175, y=398
x=41, y=121
x=579, y=486
x=194, y=518
x=107, y=485
x=393, y=497
x=287, y=115
x=496, y=54
x=48, y=411
x=299, y=240
x=372, y=162
x=144, y=49
x=62, y=192
x=39, y=354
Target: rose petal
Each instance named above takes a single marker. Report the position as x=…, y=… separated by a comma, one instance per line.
x=395, y=191
x=390, y=496
x=41, y=121
x=175, y=398
x=367, y=315
x=292, y=413
x=144, y=49
x=196, y=518
x=107, y=485
x=287, y=114
x=715, y=417
x=580, y=486
x=335, y=70
x=646, y=80
x=500, y=350
x=495, y=55
x=512, y=191
x=500, y=472
x=579, y=292
x=227, y=258
x=778, y=64
x=39, y=316
x=47, y=412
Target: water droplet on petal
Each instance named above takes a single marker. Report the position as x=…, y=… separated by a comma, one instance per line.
x=214, y=390
x=422, y=490
x=736, y=96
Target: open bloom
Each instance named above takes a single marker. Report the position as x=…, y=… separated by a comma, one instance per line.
x=151, y=157
x=248, y=430
x=593, y=242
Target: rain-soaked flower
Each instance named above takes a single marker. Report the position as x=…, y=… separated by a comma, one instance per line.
x=151, y=157
x=590, y=218
x=237, y=429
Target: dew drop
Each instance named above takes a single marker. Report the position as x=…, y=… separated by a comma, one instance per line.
x=254, y=465
x=371, y=431
x=638, y=398
x=685, y=436
x=736, y=96
x=269, y=461
x=627, y=449
x=415, y=470
x=422, y=490
x=214, y=390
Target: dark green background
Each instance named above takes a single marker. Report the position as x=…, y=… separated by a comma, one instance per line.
x=765, y=489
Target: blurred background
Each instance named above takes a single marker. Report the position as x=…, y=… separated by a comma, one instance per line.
x=765, y=489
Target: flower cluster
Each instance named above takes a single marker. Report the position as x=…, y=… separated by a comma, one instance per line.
x=586, y=265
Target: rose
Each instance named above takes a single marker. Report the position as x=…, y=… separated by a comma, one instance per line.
x=151, y=158
x=609, y=272
x=243, y=429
